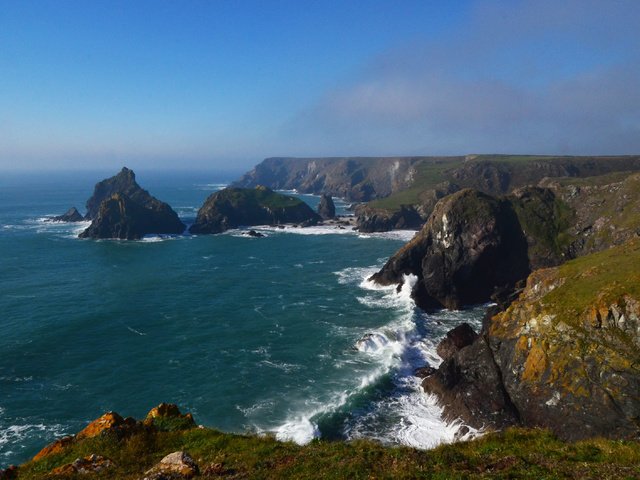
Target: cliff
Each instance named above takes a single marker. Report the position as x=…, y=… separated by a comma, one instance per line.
x=235, y=207
x=565, y=355
x=168, y=445
x=120, y=208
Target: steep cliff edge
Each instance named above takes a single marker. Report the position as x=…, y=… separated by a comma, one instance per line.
x=235, y=207
x=565, y=355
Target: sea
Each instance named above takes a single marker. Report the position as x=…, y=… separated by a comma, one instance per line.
x=280, y=335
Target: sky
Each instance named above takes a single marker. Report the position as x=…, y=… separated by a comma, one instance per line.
x=218, y=84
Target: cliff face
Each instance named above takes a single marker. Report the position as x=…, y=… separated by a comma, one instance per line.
x=354, y=178
x=235, y=207
x=120, y=208
x=565, y=355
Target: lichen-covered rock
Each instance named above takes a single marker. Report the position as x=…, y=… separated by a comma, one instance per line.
x=326, y=207
x=176, y=465
x=54, y=448
x=167, y=416
x=471, y=245
x=235, y=207
x=107, y=422
x=90, y=464
x=563, y=356
x=122, y=218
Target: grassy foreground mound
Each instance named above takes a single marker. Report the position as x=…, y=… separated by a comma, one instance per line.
x=125, y=449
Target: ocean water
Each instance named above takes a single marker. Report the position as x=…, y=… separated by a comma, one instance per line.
x=281, y=334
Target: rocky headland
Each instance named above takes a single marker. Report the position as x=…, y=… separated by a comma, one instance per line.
x=120, y=208
x=235, y=207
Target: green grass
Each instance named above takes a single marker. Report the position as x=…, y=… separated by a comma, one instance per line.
x=515, y=453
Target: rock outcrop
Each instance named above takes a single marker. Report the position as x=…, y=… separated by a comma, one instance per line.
x=71, y=215
x=471, y=246
x=175, y=466
x=371, y=220
x=564, y=356
x=326, y=207
x=236, y=207
x=122, y=218
x=120, y=208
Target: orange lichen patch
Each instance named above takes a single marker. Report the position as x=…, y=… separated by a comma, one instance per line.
x=535, y=365
x=523, y=344
x=53, y=448
x=108, y=421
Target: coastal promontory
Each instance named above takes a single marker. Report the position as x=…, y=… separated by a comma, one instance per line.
x=234, y=207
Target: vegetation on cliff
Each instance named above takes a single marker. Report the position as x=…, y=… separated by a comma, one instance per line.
x=235, y=207
x=112, y=451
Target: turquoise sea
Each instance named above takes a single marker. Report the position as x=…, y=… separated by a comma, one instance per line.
x=249, y=334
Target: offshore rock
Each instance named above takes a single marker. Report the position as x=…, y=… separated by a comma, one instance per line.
x=235, y=207
x=122, y=218
x=471, y=245
x=371, y=220
x=326, y=207
x=71, y=215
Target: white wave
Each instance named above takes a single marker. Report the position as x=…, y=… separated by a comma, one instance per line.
x=372, y=342
x=15, y=434
x=301, y=431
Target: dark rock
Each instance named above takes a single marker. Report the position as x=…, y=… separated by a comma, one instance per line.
x=471, y=244
x=424, y=372
x=326, y=207
x=122, y=218
x=235, y=207
x=375, y=220
x=71, y=215
x=456, y=339
x=253, y=233
x=9, y=473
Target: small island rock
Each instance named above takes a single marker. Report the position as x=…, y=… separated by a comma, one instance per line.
x=326, y=207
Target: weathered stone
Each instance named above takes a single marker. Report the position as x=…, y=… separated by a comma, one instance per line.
x=57, y=446
x=90, y=464
x=457, y=338
x=110, y=421
x=168, y=416
x=175, y=465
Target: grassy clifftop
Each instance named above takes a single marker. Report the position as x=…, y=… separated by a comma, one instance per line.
x=515, y=453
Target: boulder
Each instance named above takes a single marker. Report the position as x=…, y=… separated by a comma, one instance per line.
x=236, y=207
x=471, y=245
x=326, y=207
x=71, y=215
x=176, y=465
x=108, y=422
x=90, y=464
x=253, y=233
x=456, y=339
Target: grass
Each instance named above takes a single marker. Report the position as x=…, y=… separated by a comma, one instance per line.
x=514, y=453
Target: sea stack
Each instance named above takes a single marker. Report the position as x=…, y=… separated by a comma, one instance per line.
x=326, y=207
x=71, y=215
x=120, y=208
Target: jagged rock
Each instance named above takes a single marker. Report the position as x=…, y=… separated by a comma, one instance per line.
x=90, y=464
x=235, y=207
x=471, y=245
x=563, y=356
x=110, y=422
x=424, y=372
x=326, y=207
x=56, y=447
x=176, y=465
x=456, y=339
x=253, y=233
x=167, y=416
x=71, y=215
x=122, y=218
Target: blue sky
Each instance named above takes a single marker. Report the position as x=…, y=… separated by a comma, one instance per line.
x=222, y=84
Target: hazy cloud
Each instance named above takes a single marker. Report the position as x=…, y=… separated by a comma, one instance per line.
x=535, y=76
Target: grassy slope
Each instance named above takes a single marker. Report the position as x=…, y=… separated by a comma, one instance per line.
x=515, y=453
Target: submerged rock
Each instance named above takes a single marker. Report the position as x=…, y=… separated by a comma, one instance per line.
x=71, y=215
x=326, y=207
x=235, y=207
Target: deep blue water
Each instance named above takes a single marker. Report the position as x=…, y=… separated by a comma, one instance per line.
x=249, y=334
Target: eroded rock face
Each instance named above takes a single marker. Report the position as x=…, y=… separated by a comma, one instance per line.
x=563, y=356
x=122, y=218
x=371, y=220
x=235, y=207
x=471, y=245
x=326, y=207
